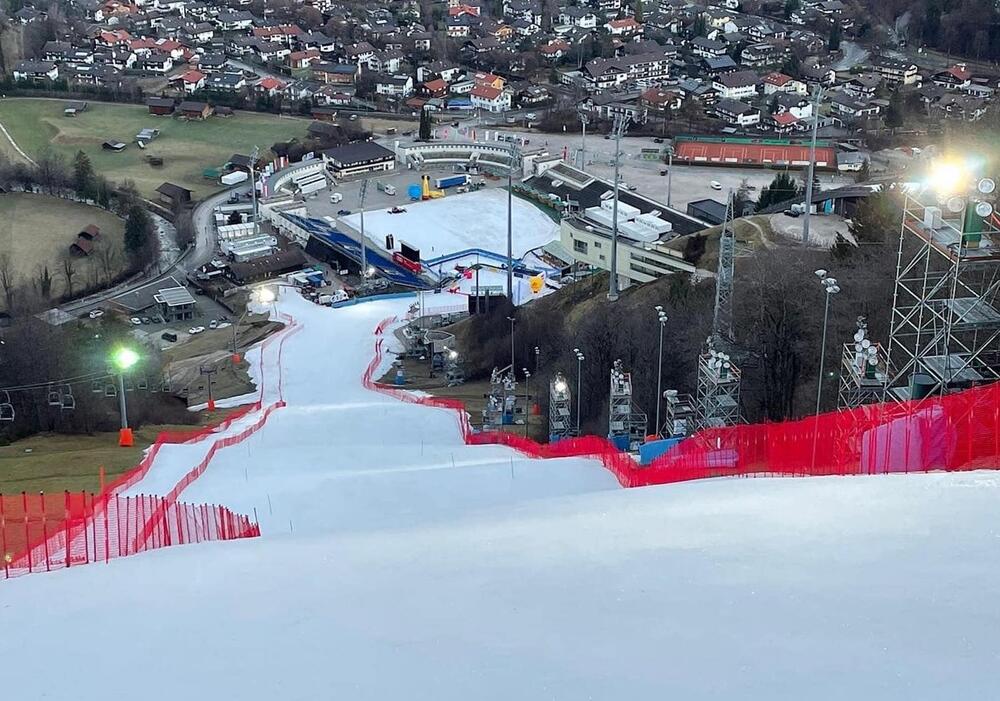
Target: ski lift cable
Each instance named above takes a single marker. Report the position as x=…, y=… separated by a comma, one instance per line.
x=80, y=379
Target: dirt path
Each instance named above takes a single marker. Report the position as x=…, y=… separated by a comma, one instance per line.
x=14, y=145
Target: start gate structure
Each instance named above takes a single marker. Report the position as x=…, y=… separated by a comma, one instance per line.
x=626, y=424
x=945, y=332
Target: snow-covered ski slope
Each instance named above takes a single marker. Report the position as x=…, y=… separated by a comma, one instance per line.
x=397, y=563
x=460, y=221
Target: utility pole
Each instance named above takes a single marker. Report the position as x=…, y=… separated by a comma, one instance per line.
x=514, y=159
x=584, y=119
x=670, y=170
x=511, y=320
x=254, y=155
x=579, y=375
x=621, y=121
x=661, y=317
x=812, y=165
x=210, y=372
x=364, y=247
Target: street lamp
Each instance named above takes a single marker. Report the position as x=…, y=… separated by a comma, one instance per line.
x=527, y=399
x=579, y=374
x=511, y=320
x=830, y=288
x=661, y=317
x=124, y=359
x=812, y=164
x=670, y=170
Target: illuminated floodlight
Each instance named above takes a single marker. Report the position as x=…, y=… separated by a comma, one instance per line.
x=265, y=295
x=561, y=386
x=947, y=177
x=124, y=358
x=986, y=185
x=984, y=209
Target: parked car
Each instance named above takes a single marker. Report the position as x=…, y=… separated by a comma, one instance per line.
x=791, y=212
x=195, y=330
x=169, y=336
x=146, y=320
x=657, y=140
x=213, y=324
x=96, y=314
x=715, y=185
x=343, y=212
x=663, y=172
x=135, y=320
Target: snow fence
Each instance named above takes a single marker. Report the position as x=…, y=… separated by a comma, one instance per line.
x=959, y=431
x=37, y=534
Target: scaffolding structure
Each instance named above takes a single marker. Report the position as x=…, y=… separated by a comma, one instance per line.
x=560, y=416
x=864, y=371
x=722, y=319
x=501, y=402
x=945, y=332
x=626, y=424
x=718, y=402
x=681, y=414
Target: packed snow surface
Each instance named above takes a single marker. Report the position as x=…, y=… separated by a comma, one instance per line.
x=397, y=563
x=458, y=222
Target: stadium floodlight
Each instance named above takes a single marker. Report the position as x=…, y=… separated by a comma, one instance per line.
x=265, y=295
x=561, y=386
x=947, y=177
x=124, y=358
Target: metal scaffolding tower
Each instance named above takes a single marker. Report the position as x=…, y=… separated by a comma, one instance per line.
x=682, y=414
x=560, y=416
x=626, y=424
x=617, y=130
x=945, y=331
x=722, y=319
x=718, y=400
x=863, y=370
x=501, y=402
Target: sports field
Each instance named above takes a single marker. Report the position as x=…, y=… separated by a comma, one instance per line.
x=187, y=148
x=37, y=230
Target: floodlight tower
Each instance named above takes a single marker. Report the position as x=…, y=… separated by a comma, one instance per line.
x=626, y=424
x=863, y=372
x=718, y=401
x=945, y=332
x=722, y=318
x=560, y=416
x=681, y=413
x=124, y=359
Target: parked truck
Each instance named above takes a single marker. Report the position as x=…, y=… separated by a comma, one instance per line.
x=234, y=178
x=451, y=181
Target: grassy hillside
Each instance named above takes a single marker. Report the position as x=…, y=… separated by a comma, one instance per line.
x=187, y=148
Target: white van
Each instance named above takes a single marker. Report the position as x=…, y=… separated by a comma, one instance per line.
x=336, y=197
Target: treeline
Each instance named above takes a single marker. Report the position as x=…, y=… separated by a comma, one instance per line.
x=25, y=292
x=778, y=323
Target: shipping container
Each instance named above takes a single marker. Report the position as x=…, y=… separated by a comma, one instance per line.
x=234, y=178
x=451, y=181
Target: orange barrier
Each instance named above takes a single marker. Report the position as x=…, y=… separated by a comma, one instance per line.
x=959, y=431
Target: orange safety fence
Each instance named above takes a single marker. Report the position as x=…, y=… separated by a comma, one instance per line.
x=959, y=431
x=51, y=526
x=80, y=528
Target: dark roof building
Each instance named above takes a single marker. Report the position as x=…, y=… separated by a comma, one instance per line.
x=359, y=158
x=711, y=211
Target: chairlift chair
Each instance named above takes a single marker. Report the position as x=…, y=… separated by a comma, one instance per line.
x=129, y=384
x=67, y=400
x=53, y=396
x=110, y=389
x=97, y=386
x=142, y=383
x=6, y=408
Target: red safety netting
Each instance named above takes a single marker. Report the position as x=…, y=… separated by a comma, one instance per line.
x=959, y=431
x=151, y=521
x=80, y=528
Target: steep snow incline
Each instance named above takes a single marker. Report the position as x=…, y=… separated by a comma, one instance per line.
x=397, y=563
x=342, y=457
x=822, y=588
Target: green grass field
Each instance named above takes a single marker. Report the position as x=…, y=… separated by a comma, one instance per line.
x=37, y=230
x=187, y=148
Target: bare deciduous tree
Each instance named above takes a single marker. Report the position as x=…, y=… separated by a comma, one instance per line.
x=68, y=273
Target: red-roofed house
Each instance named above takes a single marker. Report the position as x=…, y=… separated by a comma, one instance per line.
x=303, y=59
x=493, y=81
x=623, y=27
x=270, y=86
x=554, y=50
x=283, y=33
x=954, y=78
x=434, y=88
x=463, y=9
x=785, y=122
x=491, y=99
x=779, y=82
x=119, y=37
x=192, y=81
x=662, y=100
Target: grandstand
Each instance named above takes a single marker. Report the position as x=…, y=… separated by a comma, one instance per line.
x=752, y=152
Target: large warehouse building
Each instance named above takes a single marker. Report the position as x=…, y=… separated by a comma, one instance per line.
x=364, y=157
x=749, y=151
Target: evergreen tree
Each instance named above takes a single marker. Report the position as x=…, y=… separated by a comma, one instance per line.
x=782, y=188
x=791, y=7
x=425, y=125
x=138, y=235
x=699, y=29
x=876, y=216
x=638, y=11
x=833, y=43
x=864, y=174
x=894, y=113
x=84, y=178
